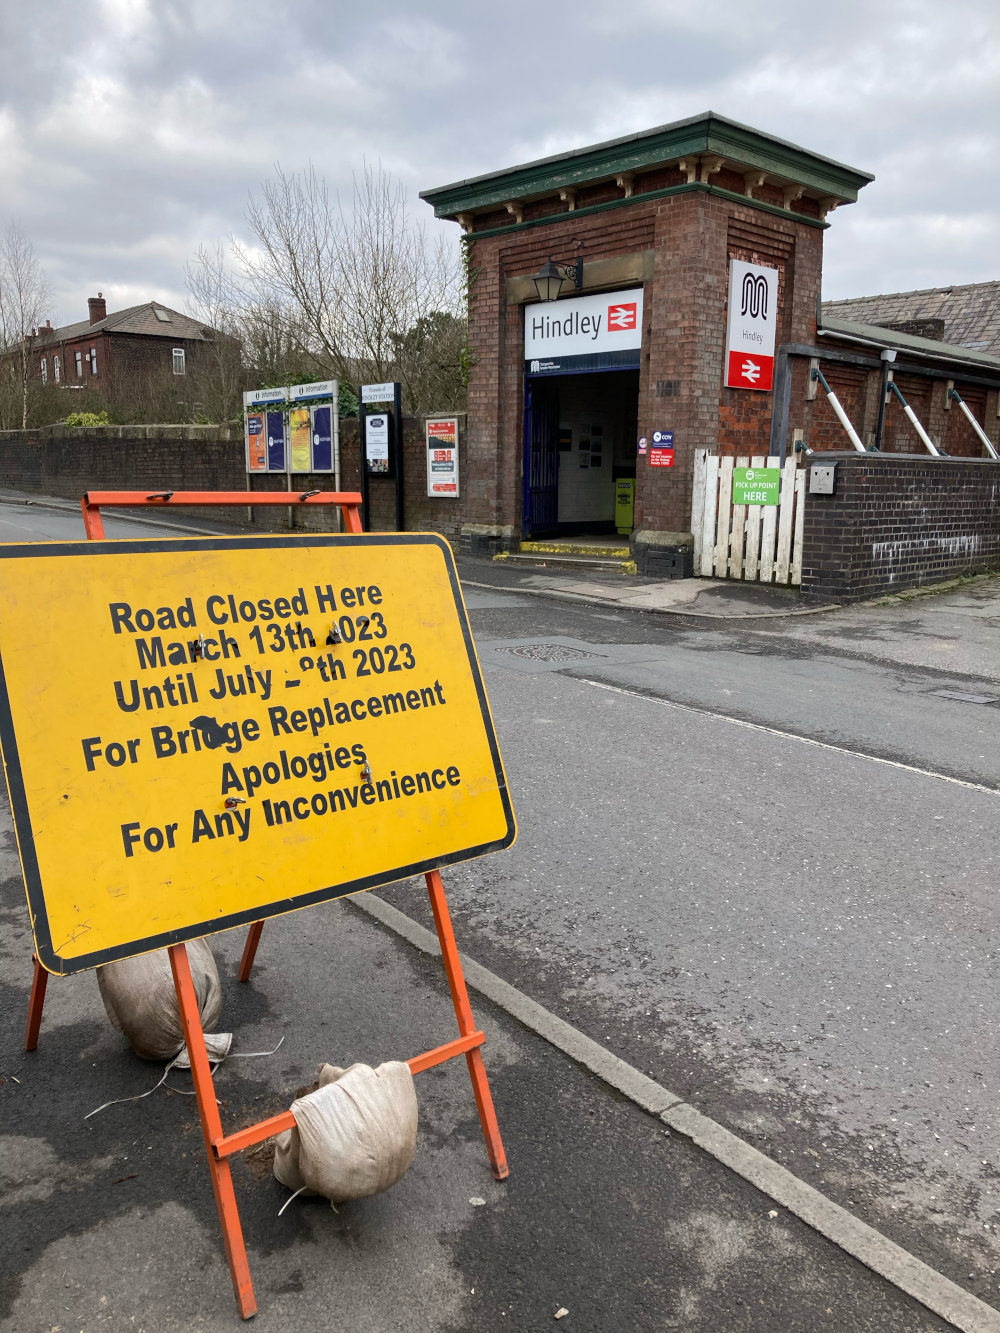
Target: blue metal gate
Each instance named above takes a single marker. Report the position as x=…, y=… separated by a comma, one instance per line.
x=541, y=457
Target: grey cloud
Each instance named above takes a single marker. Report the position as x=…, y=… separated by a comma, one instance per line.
x=138, y=133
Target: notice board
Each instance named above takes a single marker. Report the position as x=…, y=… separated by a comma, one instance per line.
x=203, y=732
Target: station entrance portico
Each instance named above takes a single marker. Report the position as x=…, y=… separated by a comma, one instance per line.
x=659, y=287
x=579, y=439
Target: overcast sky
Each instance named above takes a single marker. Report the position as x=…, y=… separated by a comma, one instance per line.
x=132, y=130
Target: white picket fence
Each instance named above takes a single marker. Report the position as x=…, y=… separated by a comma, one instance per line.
x=759, y=543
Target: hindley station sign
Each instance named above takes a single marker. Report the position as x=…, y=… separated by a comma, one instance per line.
x=750, y=328
x=601, y=332
x=204, y=732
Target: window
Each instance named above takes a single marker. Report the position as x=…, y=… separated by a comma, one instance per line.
x=162, y=315
x=45, y=370
x=93, y=360
x=178, y=360
x=79, y=365
x=55, y=369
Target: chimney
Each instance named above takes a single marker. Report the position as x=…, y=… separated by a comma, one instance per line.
x=97, y=308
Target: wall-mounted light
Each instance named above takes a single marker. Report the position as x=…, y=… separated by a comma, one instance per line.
x=550, y=278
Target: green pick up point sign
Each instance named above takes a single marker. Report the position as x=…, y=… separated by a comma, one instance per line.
x=756, y=485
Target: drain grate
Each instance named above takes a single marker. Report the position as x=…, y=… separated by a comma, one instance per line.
x=546, y=652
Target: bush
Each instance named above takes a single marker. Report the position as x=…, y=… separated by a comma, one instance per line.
x=87, y=419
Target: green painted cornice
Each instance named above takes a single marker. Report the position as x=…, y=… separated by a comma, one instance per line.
x=696, y=188
x=710, y=134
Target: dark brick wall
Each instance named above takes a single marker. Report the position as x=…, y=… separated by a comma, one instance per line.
x=67, y=463
x=898, y=521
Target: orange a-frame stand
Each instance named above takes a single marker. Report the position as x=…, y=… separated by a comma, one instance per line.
x=220, y=1146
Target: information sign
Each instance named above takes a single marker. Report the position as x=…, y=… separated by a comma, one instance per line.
x=263, y=411
x=377, y=442
x=204, y=732
x=442, y=456
x=661, y=449
x=756, y=485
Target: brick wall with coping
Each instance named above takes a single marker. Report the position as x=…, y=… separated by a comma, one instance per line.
x=65, y=463
x=898, y=521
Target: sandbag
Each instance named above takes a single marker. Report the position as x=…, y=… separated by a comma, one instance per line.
x=354, y=1136
x=140, y=999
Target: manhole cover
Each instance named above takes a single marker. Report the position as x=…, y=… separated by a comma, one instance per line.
x=965, y=698
x=546, y=652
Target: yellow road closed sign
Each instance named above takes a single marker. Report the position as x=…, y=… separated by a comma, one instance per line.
x=203, y=732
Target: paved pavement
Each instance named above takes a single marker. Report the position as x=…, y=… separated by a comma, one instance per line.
x=794, y=939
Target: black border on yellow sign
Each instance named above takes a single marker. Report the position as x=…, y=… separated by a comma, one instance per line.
x=52, y=961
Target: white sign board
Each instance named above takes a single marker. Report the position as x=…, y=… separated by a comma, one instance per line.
x=377, y=442
x=558, y=332
x=378, y=393
x=753, y=319
x=442, y=456
x=259, y=396
x=318, y=389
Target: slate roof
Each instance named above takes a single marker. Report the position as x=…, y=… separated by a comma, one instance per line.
x=971, y=313
x=136, y=319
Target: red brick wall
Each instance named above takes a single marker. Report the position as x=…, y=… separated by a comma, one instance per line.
x=693, y=236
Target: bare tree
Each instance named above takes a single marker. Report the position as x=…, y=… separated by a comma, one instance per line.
x=24, y=294
x=347, y=283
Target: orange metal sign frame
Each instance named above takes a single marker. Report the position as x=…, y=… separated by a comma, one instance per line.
x=218, y=1145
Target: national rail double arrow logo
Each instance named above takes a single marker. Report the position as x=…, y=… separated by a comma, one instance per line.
x=750, y=371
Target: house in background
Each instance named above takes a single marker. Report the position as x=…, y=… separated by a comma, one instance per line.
x=128, y=353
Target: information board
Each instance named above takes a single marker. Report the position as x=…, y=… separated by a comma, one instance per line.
x=205, y=732
x=756, y=485
x=442, y=456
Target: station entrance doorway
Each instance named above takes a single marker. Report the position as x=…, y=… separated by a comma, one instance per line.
x=579, y=442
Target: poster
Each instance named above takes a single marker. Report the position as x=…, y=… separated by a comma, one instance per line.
x=256, y=449
x=377, y=443
x=275, y=441
x=322, y=438
x=442, y=456
x=298, y=434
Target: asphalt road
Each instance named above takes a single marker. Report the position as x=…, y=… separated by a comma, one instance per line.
x=796, y=938
x=799, y=939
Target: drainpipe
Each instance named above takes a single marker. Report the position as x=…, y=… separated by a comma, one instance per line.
x=931, y=446
x=842, y=416
x=888, y=356
x=956, y=397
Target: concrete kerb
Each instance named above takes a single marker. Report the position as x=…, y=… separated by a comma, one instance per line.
x=883, y=1256
x=590, y=599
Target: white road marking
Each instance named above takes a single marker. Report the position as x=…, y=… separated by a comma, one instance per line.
x=790, y=736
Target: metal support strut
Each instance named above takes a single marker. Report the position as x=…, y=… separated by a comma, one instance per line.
x=842, y=416
x=956, y=397
x=912, y=416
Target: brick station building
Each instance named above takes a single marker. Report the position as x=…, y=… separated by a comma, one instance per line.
x=646, y=231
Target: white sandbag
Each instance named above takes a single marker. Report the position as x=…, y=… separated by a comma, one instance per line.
x=354, y=1136
x=140, y=999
